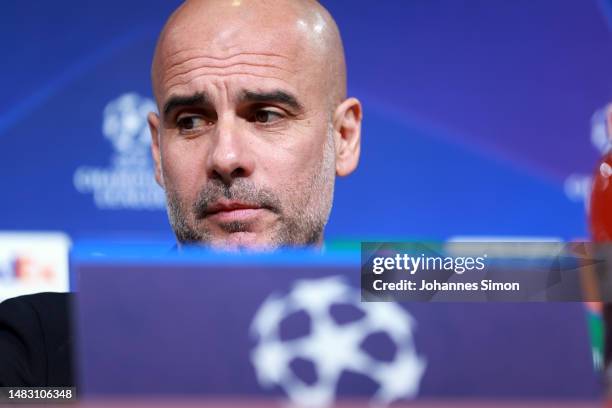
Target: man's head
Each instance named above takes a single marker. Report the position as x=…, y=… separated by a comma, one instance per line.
x=253, y=123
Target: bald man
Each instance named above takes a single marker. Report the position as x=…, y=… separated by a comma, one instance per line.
x=254, y=122
x=253, y=127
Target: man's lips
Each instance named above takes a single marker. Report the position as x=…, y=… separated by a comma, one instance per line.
x=232, y=211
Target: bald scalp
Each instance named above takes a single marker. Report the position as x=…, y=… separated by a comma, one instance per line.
x=223, y=24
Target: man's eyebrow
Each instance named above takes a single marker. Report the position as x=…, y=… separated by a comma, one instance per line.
x=177, y=101
x=277, y=96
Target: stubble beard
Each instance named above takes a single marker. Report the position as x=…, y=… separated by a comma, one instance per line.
x=299, y=223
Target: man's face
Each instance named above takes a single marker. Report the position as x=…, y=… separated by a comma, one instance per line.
x=244, y=142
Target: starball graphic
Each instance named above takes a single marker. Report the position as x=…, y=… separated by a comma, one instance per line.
x=334, y=347
x=128, y=183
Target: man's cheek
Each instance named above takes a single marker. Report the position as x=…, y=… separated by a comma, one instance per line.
x=181, y=173
x=300, y=163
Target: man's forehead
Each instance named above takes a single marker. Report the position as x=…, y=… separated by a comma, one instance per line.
x=229, y=78
x=240, y=57
x=232, y=76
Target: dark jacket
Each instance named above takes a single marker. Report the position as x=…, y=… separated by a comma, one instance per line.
x=36, y=341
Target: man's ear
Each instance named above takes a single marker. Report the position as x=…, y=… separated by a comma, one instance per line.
x=154, y=126
x=347, y=132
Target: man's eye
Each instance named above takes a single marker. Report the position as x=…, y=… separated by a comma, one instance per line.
x=191, y=122
x=266, y=116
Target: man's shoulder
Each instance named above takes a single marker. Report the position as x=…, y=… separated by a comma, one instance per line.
x=36, y=340
x=45, y=302
x=49, y=310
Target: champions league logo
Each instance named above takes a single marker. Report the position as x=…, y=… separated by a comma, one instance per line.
x=334, y=347
x=128, y=183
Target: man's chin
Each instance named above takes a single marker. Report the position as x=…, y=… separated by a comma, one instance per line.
x=243, y=241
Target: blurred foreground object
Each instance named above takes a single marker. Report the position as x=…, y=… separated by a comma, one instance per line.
x=600, y=225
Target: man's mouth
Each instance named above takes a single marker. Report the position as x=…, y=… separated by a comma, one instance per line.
x=233, y=211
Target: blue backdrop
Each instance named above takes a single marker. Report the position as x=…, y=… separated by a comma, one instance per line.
x=479, y=117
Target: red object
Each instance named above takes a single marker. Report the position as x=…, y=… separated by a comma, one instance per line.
x=600, y=214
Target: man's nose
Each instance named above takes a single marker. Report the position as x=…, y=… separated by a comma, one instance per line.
x=230, y=157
